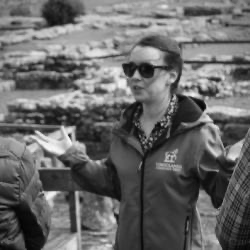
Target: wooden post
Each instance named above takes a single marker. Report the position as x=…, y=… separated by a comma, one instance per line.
x=54, y=179
x=74, y=206
x=75, y=215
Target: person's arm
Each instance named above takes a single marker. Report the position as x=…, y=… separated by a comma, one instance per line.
x=214, y=167
x=233, y=220
x=33, y=210
x=98, y=176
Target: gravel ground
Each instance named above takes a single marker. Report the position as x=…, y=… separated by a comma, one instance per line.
x=104, y=240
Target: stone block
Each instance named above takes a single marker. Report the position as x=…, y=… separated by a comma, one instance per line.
x=223, y=114
x=234, y=132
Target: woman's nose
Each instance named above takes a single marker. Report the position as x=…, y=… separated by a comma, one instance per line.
x=136, y=75
x=134, y=79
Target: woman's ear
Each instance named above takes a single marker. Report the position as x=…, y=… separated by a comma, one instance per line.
x=172, y=76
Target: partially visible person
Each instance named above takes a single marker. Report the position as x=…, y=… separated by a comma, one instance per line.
x=24, y=211
x=233, y=221
x=164, y=149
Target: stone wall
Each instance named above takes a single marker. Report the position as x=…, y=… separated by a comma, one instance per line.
x=34, y=5
x=233, y=122
x=94, y=116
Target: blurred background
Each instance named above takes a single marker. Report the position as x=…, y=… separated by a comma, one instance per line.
x=60, y=64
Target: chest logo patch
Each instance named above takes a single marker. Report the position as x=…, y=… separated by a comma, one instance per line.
x=171, y=157
x=169, y=162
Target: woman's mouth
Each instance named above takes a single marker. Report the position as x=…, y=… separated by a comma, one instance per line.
x=137, y=88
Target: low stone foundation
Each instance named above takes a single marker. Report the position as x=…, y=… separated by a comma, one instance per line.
x=233, y=122
x=94, y=117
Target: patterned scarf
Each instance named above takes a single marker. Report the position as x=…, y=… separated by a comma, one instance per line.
x=162, y=126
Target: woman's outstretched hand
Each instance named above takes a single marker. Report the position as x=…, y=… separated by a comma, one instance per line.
x=234, y=150
x=53, y=146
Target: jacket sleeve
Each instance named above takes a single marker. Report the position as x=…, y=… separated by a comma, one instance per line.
x=233, y=220
x=214, y=168
x=33, y=210
x=98, y=176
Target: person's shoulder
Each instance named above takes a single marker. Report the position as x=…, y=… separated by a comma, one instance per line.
x=126, y=117
x=11, y=147
x=208, y=133
x=11, y=153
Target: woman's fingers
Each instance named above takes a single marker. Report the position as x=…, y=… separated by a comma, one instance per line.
x=64, y=133
x=41, y=142
x=53, y=146
x=235, y=149
x=66, y=138
x=43, y=137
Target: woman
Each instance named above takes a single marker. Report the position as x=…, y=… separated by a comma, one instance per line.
x=163, y=149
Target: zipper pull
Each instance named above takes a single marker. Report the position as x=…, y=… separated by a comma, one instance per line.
x=187, y=225
x=186, y=234
x=139, y=168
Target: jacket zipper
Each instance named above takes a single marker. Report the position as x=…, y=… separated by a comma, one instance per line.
x=141, y=170
x=139, y=167
x=186, y=230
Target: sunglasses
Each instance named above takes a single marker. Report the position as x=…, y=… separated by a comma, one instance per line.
x=146, y=70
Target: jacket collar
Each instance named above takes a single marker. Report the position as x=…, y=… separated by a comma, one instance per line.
x=190, y=110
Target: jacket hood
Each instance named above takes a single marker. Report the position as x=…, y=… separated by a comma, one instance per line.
x=191, y=113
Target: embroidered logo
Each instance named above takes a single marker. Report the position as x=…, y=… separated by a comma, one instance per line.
x=171, y=157
x=169, y=162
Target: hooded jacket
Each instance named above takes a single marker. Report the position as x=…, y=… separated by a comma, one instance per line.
x=24, y=212
x=158, y=191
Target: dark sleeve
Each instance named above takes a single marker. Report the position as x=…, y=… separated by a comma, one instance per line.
x=214, y=168
x=33, y=210
x=98, y=176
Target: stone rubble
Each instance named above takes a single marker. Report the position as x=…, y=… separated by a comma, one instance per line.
x=130, y=16
x=68, y=66
x=79, y=67
x=95, y=114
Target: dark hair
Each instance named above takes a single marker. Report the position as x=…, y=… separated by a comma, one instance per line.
x=172, y=50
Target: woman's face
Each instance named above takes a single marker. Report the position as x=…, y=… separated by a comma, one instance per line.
x=148, y=90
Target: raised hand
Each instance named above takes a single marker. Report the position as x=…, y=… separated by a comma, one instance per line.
x=234, y=150
x=53, y=146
